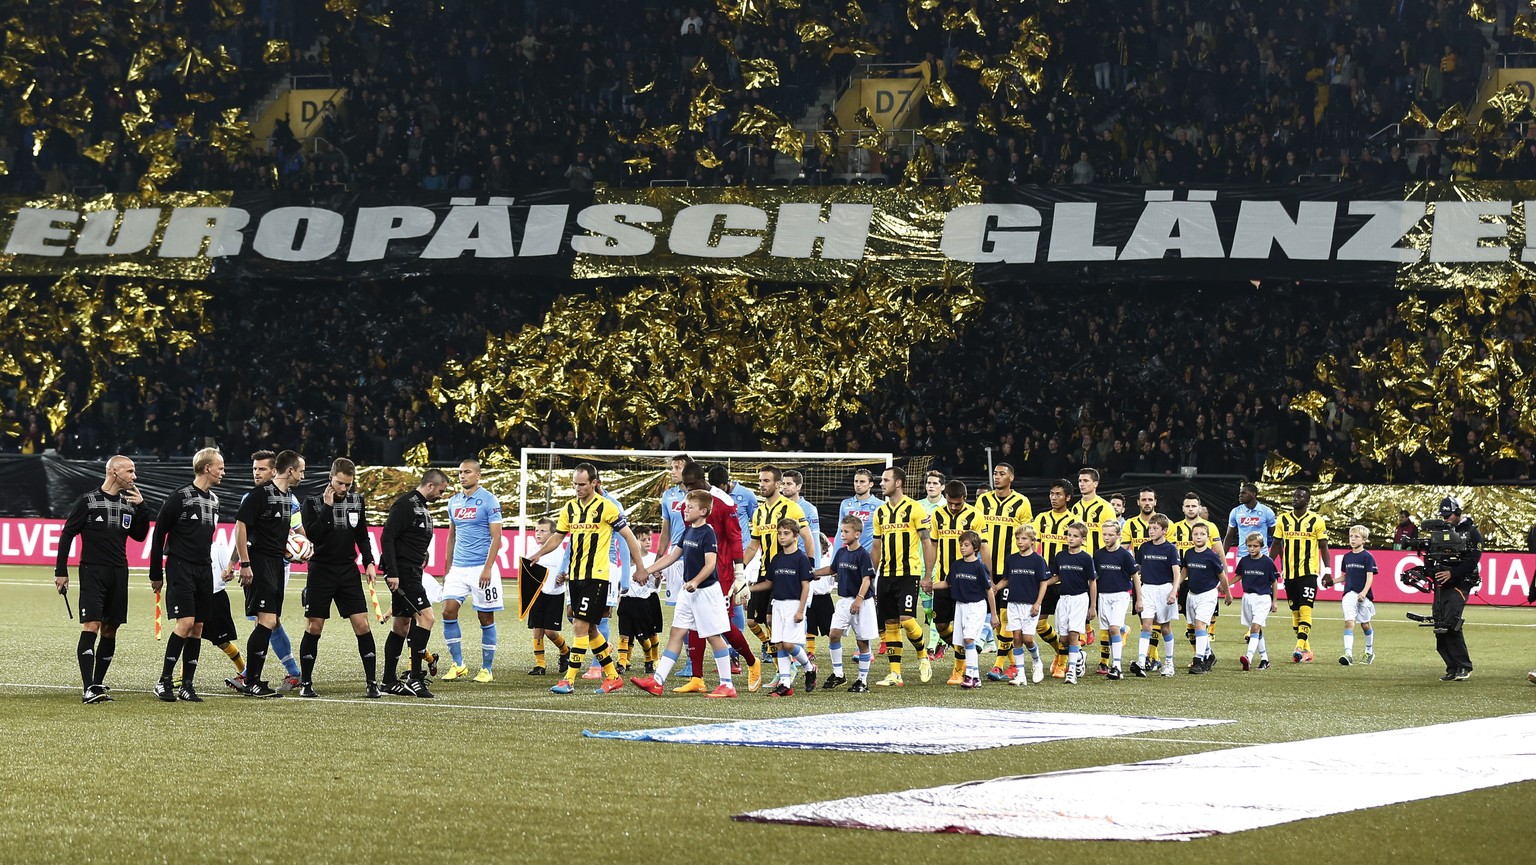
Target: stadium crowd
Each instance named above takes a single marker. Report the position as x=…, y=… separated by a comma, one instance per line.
x=1104, y=388
x=530, y=96
x=537, y=95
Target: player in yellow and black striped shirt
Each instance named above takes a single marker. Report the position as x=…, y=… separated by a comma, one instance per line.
x=772, y=507
x=1093, y=511
x=1134, y=532
x=590, y=520
x=1051, y=538
x=903, y=558
x=949, y=523
x=1301, y=543
x=1003, y=512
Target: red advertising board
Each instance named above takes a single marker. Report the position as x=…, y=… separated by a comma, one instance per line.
x=36, y=542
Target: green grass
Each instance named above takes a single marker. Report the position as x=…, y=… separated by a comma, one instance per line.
x=485, y=772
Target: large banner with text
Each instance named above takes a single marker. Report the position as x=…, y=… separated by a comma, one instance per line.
x=1430, y=236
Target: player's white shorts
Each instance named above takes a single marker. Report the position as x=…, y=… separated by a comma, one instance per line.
x=863, y=625
x=785, y=628
x=1019, y=619
x=1256, y=609
x=970, y=619
x=463, y=581
x=433, y=588
x=673, y=574
x=613, y=591
x=704, y=611
x=1358, y=609
x=1072, y=613
x=1159, y=604
x=1200, y=606
x=1112, y=610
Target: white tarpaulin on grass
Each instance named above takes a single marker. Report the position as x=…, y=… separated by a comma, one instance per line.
x=1212, y=793
x=913, y=730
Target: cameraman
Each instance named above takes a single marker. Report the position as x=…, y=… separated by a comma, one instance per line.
x=1452, y=584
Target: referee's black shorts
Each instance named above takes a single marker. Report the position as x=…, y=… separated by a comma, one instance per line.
x=265, y=593
x=333, y=585
x=104, y=594
x=188, y=590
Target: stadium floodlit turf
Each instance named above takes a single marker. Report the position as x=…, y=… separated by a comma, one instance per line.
x=500, y=771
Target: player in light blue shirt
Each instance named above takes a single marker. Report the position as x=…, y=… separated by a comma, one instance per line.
x=1250, y=515
x=672, y=498
x=862, y=504
x=474, y=541
x=794, y=481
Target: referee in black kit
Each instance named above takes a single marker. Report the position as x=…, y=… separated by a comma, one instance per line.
x=337, y=523
x=261, y=540
x=184, y=532
x=104, y=518
x=403, y=554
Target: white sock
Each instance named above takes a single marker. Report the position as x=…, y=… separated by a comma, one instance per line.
x=803, y=658
x=1370, y=639
x=665, y=665
x=864, y=659
x=972, y=663
x=1167, y=649
x=1263, y=648
x=1074, y=654
x=1349, y=643
x=1018, y=655
x=1034, y=652
x=786, y=672
x=1202, y=644
x=723, y=665
x=1143, y=646
x=1253, y=646
x=836, y=650
x=1116, y=647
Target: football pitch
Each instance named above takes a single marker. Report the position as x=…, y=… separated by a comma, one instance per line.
x=500, y=772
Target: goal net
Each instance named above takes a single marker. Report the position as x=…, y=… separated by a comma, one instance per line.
x=637, y=478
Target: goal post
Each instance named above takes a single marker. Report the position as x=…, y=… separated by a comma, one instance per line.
x=638, y=477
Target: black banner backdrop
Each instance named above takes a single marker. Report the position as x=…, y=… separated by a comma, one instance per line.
x=1430, y=236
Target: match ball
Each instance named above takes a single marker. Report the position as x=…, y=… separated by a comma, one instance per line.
x=300, y=548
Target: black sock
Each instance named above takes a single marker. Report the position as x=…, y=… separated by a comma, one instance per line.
x=256, y=653
x=393, y=644
x=366, y=651
x=419, y=636
x=104, y=650
x=190, y=652
x=309, y=646
x=86, y=652
x=172, y=654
